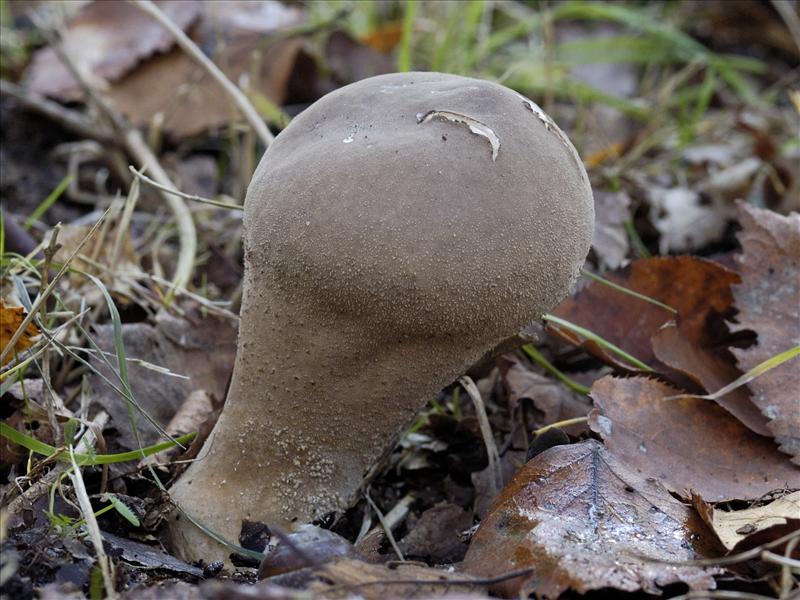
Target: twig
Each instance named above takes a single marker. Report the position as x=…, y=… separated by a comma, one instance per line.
x=256, y=122
x=386, y=528
x=219, y=203
x=486, y=431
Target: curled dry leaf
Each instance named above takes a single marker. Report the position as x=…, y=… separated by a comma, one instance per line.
x=700, y=290
x=584, y=521
x=551, y=398
x=105, y=40
x=733, y=527
x=12, y=318
x=768, y=300
x=686, y=443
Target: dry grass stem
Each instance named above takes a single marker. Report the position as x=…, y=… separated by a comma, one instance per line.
x=486, y=431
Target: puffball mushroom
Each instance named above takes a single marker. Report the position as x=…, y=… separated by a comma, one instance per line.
x=395, y=231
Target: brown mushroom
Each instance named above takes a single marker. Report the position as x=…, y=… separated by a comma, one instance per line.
x=397, y=230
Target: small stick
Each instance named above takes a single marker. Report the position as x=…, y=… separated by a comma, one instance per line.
x=386, y=527
x=155, y=184
x=256, y=122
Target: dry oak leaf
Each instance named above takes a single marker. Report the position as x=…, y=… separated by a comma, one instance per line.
x=700, y=290
x=582, y=520
x=12, y=317
x=768, y=300
x=105, y=40
x=733, y=527
x=687, y=443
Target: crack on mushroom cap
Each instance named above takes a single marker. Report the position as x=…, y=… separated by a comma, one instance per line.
x=551, y=126
x=474, y=125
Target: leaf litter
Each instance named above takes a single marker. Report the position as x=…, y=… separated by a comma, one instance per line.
x=582, y=520
x=439, y=468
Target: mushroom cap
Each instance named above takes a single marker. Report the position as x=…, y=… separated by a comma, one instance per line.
x=426, y=204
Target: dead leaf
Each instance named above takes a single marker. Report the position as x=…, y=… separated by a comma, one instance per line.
x=435, y=536
x=105, y=40
x=685, y=224
x=12, y=318
x=307, y=546
x=711, y=371
x=202, y=349
x=385, y=37
x=346, y=578
x=768, y=300
x=733, y=527
x=700, y=290
x=553, y=399
x=580, y=518
x=687, y=443
x=610, y=243
x=190, y=99
x=143, y=557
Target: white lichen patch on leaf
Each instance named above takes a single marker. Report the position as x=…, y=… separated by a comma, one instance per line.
x=474, y=125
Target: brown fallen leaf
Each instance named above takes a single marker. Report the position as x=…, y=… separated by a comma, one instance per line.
x=700, y=291
x=199, y=349
x=697, y=288
x=733, y=527
x=12, y=318
x=190, y=99
x=584, y=521
x=768, y=300
x=686, y=443
x=105, y=40
x=710, y=370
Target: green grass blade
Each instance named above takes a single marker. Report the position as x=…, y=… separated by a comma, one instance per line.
x=539, y=358
x=404, y=52
x=629, y=292
x=752, y=374
x=40, y=447
x=47, y=202
x=122, y=509
x=590, y=335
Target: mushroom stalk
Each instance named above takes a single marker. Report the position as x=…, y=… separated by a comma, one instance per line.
x=395, y=232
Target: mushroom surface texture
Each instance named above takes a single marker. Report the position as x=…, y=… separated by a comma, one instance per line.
x=395, y=231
